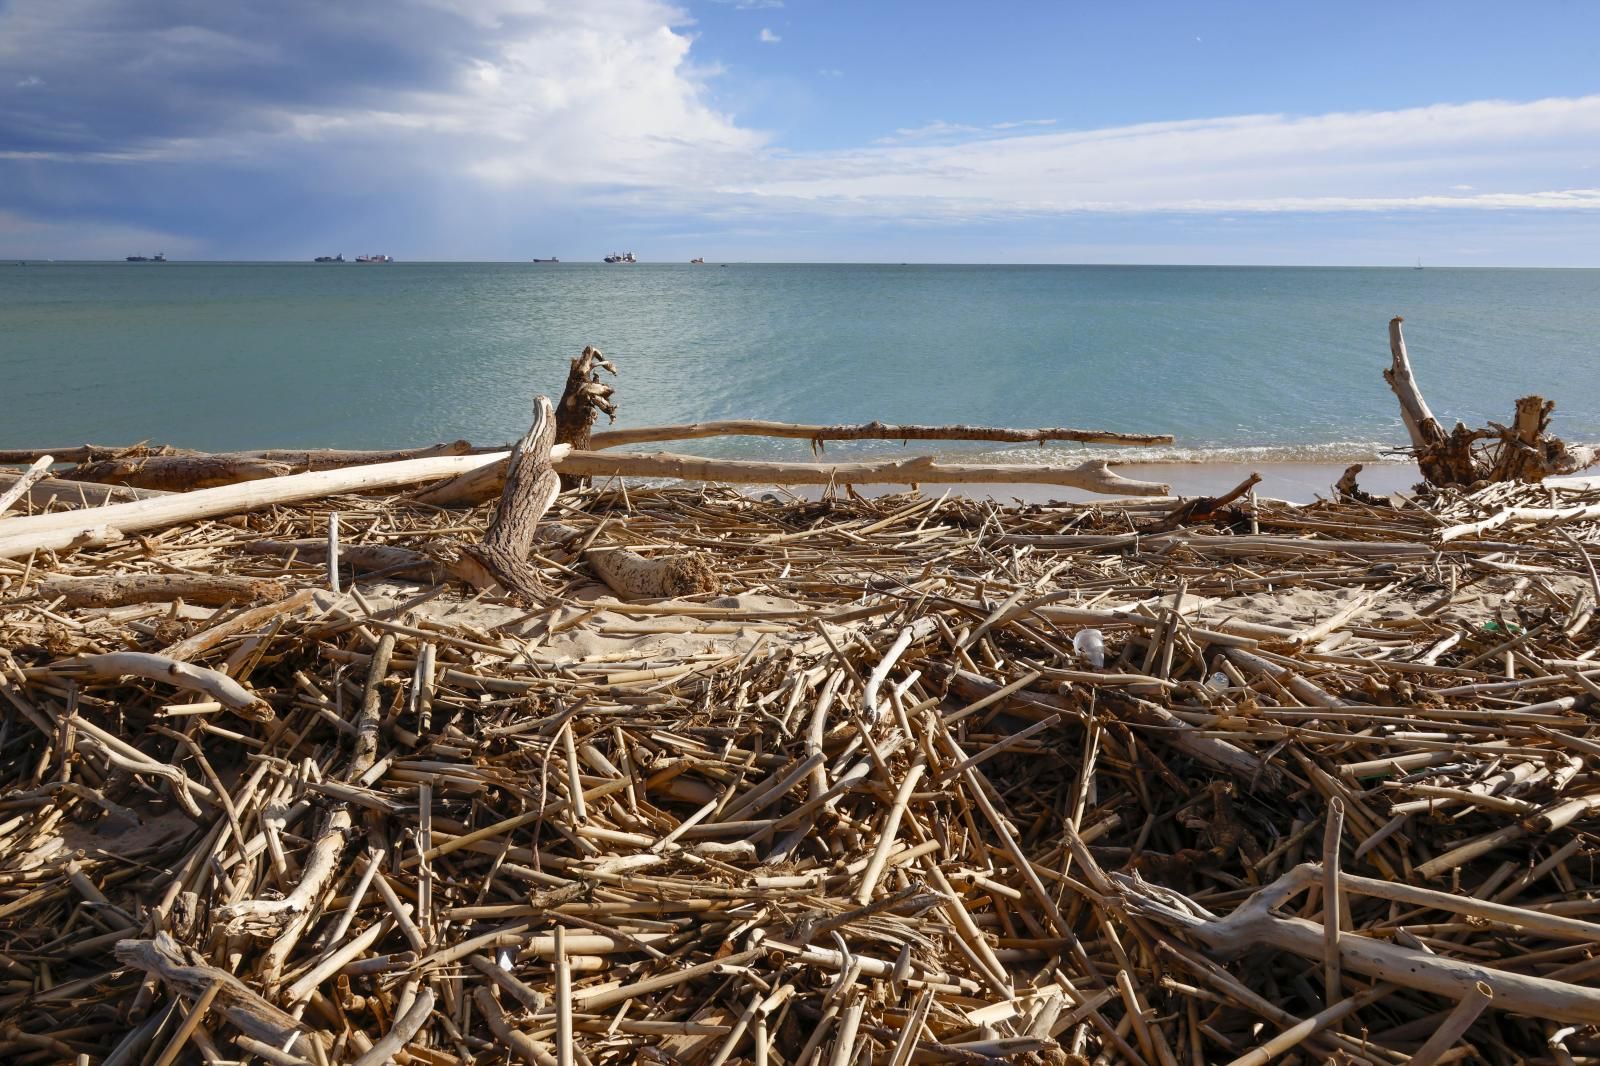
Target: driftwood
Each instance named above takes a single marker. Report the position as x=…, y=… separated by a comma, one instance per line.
x=209, y=590
x=53, y=492
x=105, y=525
x=531, y=487
x=177, y=473
x=219, y=686
x=1346, y=490
x=1463, y=457
x=1092, y=476
x=1201, y=508
x=583, y=397
x=15, y=490
x=817, y=434
x=634, y=576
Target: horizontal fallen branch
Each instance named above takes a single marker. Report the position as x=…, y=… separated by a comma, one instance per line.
x=207, y=590
x=105, y=525
x=1092, y=476
x=219, y=686
x=616, y=438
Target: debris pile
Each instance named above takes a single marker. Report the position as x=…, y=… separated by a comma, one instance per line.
x=1328, y=790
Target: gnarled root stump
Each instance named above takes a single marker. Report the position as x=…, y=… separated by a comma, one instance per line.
x=583, y=397
x=633, y=576
x=531, y=487
x=1464, y=457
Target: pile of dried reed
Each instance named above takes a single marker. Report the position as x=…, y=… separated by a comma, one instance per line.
x=867, y=801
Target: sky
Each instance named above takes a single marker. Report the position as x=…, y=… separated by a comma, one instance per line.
x=1354, y=133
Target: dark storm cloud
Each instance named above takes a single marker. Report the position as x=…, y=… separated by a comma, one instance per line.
x=103, y=76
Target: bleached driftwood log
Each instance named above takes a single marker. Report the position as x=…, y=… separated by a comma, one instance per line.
x=584, y=396
x=1092, y=476
x=531, y=487
x=616, y=438
x=105, y=525
x=53, y=491
x=1463, y=457
x=12, y=493
x=484, y=483
x=1253, y=925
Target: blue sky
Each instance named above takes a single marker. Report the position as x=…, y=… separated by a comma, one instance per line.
x=1351, y=133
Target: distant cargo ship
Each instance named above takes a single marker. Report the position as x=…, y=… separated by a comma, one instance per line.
x=551, y=260
x=329, y=258
x=625, y=257
x=159, y=257
x=374, y=258
x=697, y=262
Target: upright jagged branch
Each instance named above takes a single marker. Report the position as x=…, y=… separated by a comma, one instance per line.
x=584, y=395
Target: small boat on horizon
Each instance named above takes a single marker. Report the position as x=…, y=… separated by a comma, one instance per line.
x=374, y=258
x=623, y=257
x=1418, y=266
x=159, y=257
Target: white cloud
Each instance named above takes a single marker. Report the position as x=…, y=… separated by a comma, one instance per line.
x=766, y=36
x=831, y=72
x=1519, y=155
x=32, y=81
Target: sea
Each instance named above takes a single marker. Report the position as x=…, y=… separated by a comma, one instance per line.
x=1239, y=364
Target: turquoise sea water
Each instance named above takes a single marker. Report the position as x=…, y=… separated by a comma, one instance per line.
x=1254, y=363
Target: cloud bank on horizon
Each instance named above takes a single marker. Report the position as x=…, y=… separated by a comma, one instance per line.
x=473, y=126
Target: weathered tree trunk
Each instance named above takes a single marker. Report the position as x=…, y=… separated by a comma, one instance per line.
x=531, y=487
x=206, y=590
x=583, y=396
x=1522, y=453
x=178, y=473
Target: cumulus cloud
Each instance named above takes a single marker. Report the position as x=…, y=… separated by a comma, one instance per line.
x=500, y=88
x=766, y=36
